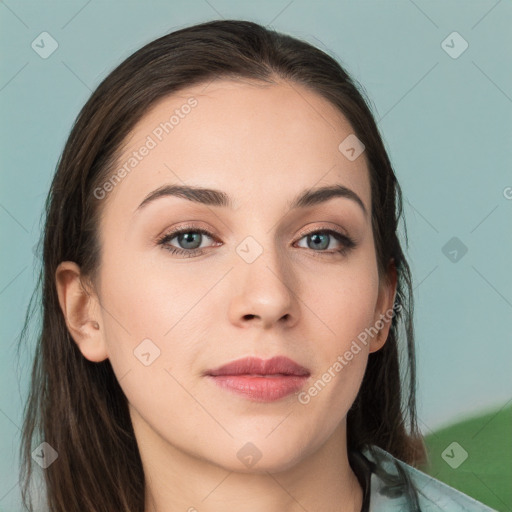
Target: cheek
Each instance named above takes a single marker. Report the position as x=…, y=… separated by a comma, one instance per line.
x=147, y=299
x=346, y=311
x=144, y=312
x=345, y=299
x=151, y=339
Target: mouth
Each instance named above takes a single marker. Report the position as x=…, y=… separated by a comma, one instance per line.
x=260, y=380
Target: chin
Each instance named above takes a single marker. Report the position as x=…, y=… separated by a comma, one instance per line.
x=262, y=456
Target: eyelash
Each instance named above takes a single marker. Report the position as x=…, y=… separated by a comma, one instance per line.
x=347, y=242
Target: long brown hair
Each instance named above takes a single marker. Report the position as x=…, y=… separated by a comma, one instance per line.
x=77, y=406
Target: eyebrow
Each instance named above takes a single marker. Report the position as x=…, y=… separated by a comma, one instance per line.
x=213, y=197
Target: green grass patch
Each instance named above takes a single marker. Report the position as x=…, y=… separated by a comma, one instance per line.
x=486, y=473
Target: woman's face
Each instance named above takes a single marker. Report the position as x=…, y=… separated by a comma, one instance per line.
x=256, y=285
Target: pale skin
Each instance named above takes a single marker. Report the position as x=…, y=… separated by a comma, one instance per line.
x=262, y=145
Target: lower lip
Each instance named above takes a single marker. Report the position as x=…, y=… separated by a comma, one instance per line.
x=261, y=389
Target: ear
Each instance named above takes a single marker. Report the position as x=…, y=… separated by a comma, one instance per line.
x=384, y=308
x=80, y=308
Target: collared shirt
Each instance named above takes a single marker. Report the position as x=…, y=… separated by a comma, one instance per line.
x=391, y=485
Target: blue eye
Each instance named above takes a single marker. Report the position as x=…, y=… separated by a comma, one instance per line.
x=183, y=236
x=319, y=239
x=190, y=238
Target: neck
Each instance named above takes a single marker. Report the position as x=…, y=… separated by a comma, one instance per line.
x=175, y=480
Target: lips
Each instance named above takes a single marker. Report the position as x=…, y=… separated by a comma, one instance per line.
x=279, y=365
x=259, y=380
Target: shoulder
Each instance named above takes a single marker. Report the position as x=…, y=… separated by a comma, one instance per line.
x=397, y=486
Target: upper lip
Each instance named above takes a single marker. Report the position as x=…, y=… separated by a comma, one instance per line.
x=255, y=366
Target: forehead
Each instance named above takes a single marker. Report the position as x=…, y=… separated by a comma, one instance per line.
x=257, y=141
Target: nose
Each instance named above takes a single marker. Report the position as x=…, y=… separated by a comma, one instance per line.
x=265, y=292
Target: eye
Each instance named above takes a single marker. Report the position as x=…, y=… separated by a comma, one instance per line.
x=190, y=238
x=319, y=239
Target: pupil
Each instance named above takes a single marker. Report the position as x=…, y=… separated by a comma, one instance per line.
x=188, y=238
x=317, y=242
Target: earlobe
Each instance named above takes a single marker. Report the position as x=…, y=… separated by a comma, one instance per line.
x=385, y=308
x=81, y=312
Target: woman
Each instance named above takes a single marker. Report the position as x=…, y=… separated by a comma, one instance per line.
x=225, y=297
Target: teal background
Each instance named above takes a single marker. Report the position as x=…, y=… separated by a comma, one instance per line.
x=446, y=123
